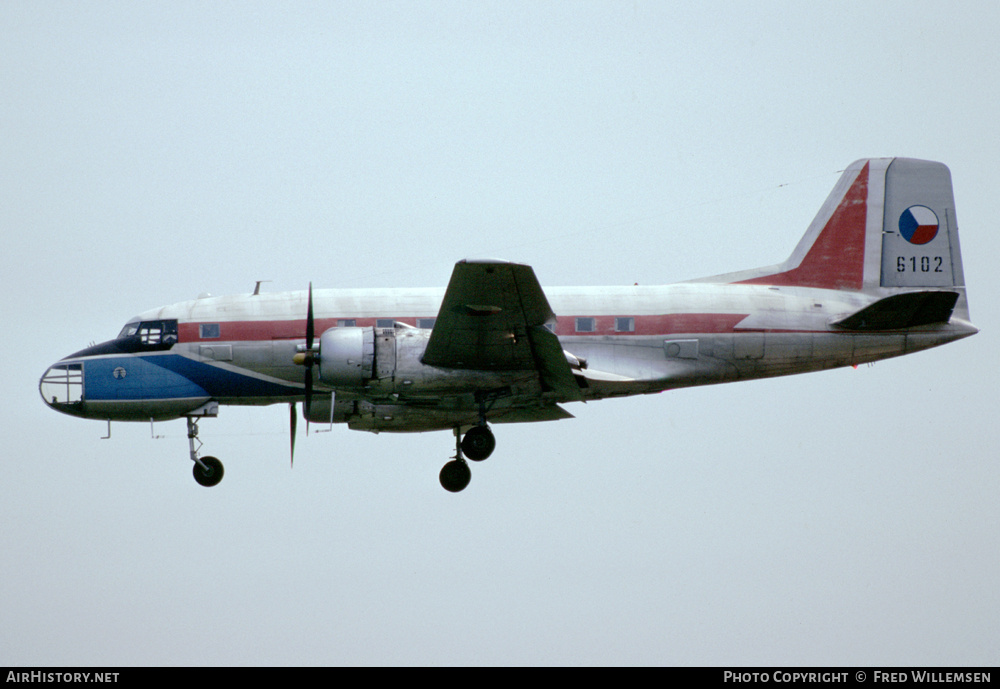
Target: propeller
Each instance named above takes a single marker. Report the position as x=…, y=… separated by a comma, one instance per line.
x=310, y=336
x=307, y=359
x=293, y=420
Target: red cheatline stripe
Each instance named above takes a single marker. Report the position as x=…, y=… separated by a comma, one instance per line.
x=667, y=324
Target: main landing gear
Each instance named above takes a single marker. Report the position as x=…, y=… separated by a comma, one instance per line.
x=477, y=445
x=208, y=471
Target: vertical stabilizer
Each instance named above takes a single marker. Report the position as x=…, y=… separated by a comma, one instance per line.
x=887, y=226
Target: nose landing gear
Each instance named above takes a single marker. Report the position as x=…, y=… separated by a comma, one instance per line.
x=208, y=471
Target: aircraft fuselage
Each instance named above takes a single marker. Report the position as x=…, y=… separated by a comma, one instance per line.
x=239, y=350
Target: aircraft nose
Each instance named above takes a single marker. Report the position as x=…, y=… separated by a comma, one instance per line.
x=61, y=386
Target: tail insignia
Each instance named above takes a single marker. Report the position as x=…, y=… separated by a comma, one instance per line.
x=918, y=224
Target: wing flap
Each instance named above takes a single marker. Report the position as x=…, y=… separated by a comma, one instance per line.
x=553, y=368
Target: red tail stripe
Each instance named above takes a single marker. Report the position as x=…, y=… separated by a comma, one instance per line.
x=836, y=260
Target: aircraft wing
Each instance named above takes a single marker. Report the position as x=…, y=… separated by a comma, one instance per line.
x=493, y=318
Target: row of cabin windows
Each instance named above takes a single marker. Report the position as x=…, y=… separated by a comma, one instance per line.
x=208, y=331
x=424, y=323
x=584, y=324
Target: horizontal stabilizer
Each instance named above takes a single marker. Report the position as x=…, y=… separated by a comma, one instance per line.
x=907, y=310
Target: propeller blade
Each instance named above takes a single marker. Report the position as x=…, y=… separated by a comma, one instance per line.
x=309, y=392
x=310, y=336
x=310, y=326
x=293, y=422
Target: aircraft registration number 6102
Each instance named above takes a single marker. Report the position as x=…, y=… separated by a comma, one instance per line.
x=921, y=264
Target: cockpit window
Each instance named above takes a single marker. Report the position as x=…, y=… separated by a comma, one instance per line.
x=149, y=334
x=137, y=336
x=129, y=330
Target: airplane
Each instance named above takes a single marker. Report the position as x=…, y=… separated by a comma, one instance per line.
x=877, y=274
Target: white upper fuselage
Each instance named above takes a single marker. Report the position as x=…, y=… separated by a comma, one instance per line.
x=773, y=308
x=743, y=331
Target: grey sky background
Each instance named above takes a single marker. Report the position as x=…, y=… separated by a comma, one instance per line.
x=153, y=151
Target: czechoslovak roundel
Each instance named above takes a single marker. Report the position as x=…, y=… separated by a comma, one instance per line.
x=918, y=224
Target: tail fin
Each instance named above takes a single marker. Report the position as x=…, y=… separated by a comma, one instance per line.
x=888, y=226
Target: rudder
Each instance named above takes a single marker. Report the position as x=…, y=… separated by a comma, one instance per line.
x=919, y=233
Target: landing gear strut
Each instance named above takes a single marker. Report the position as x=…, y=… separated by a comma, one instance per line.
x=477, y=445
x=208, y=471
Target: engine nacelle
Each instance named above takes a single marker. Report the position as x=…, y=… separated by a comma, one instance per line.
x=389, y=363
x=346, y=356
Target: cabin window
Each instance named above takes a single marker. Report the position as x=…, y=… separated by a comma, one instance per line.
x=385, y=323
x=586, y=325
x=346, y=322
x=624, y=325
x=426, y=323
x=208, y=331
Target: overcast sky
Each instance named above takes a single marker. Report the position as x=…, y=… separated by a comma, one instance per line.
x=153, y=151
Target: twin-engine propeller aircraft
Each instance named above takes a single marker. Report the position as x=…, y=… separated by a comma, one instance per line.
x=878, y=274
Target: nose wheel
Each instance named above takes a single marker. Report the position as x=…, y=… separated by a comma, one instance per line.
x=208, y=471
x=477, y=445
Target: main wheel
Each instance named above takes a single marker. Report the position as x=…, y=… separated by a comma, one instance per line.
x=455, y=476
x=212, y=476
x=478, y=443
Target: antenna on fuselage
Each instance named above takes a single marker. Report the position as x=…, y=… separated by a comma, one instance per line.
x=256, y=289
